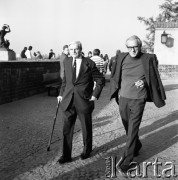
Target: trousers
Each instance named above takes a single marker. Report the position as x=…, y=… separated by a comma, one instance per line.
x=69, y=119
x=131, y=111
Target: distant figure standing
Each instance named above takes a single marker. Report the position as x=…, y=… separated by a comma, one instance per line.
x=98, y=60
x=5, y=29
x=101, y=55
x=28, y=52
x=22, y=54
x=51, y=54
x=112, y=61
x=106, y=62
x=34, y=54
x=64, y=55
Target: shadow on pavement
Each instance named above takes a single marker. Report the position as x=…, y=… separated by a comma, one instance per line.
x=26, y=130
x=153, y=144
x=101, y=121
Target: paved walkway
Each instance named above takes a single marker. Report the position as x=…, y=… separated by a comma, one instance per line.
x=25, y=127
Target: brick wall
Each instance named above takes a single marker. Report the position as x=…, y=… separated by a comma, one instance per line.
x=20, y=79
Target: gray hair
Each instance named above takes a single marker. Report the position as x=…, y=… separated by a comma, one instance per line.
x=79, y=44
x=134, y=37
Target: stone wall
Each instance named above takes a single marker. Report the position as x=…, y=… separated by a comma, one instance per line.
x=20, y=79
x=168, y=71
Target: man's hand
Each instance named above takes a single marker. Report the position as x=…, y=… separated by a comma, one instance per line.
x=59, y=99
x=92, y=98
x=139, y=83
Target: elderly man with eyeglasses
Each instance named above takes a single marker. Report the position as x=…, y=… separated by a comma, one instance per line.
x=135, y=81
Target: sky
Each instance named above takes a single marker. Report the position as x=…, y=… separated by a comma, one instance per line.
x=50, y=24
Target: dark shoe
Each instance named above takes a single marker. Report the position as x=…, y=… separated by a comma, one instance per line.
x=63, y=160
x=85, y=156
x=138, y=149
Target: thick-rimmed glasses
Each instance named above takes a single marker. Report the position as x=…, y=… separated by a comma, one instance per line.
x=132, y=47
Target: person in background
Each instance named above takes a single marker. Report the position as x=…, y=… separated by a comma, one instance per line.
x=64, y=55
x=135, y=81
x=51, y=54
x=35, y=54
x=22, y=54
x=28, y=52
x=77, y=99
x=89, y=54
x=112, y=61
x=101, y=55
x=106, y=62
x=98, y=60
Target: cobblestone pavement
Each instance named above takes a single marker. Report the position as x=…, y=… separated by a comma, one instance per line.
x=25, y=127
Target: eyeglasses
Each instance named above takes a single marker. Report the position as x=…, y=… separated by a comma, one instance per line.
x=132, y=47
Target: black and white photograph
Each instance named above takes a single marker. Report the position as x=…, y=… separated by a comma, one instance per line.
x=88, y=89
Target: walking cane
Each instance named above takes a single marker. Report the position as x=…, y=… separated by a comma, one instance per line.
x=49, y=143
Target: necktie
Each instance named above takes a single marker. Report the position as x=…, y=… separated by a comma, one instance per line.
x=74, y=71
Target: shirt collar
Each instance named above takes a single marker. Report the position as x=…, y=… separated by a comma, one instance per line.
x=78, y=59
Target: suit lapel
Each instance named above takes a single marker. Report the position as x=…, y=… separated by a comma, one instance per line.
x=146, y=66
x=119, y=64
x=69, y=66
x=122, y=57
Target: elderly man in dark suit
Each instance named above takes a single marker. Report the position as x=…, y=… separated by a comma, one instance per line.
x=135, y=80
x=77, y=97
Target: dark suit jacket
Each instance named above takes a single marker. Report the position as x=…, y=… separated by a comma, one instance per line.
x=82, y=89
x=111, y=62
x=154, y=85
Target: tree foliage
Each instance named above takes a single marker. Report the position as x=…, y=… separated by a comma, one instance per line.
x=169, y=12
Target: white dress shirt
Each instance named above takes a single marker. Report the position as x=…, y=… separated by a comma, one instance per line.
x=28, y=54
x=78, y=64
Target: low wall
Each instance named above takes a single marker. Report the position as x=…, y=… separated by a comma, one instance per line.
x=20, y=79
x=168, y=71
